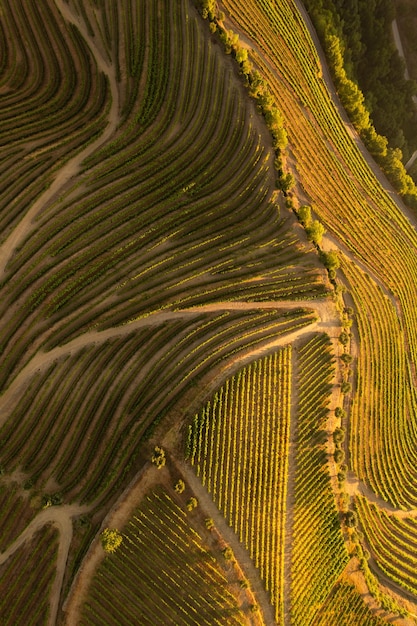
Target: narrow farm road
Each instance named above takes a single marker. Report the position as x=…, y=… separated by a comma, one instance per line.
x=229, y=536
x=72, y=167
x=399, y=46
x=376, y=170
x=60, y=516
x=356, y=487
x=327, y=322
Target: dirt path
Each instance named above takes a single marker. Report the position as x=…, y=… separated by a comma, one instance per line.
x=399, y=46
x=72, y=167
x=116, y=518
x=324, y=308
x=229, y=536
x=355, y=487
x=60, y=516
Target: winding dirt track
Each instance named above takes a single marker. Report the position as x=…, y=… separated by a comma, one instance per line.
x=61, y=517
x=72, y=167
x=328, y=322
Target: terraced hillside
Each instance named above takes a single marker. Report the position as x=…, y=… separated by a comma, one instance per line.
x=138, y=190
x=158, y=295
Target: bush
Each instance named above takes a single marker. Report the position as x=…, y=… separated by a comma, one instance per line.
x=179, y=486
x=344, y=338
x=339, y=435
x=111, y=539
x=228, y=553
x=345, y=387
x=339, y=456
x=350, y=519
x=341, y=477
x=304, y=215
x=192, y=504
x=339, y=412
x=315, y=232
x=158, y=457
x=346, y=358
x=330, y=260
x=209, y=522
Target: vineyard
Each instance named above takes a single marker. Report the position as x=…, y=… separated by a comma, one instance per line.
x=160, y=299
x=239, y=447
x=249, y=483
x=162, y=573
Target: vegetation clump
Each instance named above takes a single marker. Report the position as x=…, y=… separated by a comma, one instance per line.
x=111, y=539
x=158, y=457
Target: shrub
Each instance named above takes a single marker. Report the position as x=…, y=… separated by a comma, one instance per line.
x=338, y=435
x=344, y=338
x=192, y=504
x=179, y=486
x=330, y=260
x=350, y=519
x=315, y=232
x=339, y=456
x=158, y=457
x=228, y=553
x=111, y=539
x=345, y=387
x=304, y=215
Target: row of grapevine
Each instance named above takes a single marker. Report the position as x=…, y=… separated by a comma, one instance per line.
x=52, y=103
x=239, y=447
x=391, y=542
x=158, y=221
x=161, y=574
x=318, y=553
x=382, y=438
x=15, y=512
x=346, y=607
x=347, y=197
x=81, y=417
x=350, y=202
x=175, y=209
x=25, y=581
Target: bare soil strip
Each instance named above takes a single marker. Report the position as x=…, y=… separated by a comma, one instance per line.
x=230, y=537
x=60, y=516
x=72, y=167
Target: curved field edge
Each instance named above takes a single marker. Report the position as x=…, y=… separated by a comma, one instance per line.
x=350, y=203
x=102, y=263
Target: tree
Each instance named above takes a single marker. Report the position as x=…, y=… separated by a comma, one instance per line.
x=241, y=55
x=179, y=486
x=304, y=215
x=192, y=503
x=344, y=338
x=339, y=456
x=286, y=182
x=350, y=519
x=111, y=539
x=228, y=553
x=330, y=260
x=315, y=232
x=158, y=457
x=209, y=523
x=345, y=387
x=338, y=435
